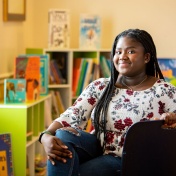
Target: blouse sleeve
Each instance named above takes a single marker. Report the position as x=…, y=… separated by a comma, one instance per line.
x=169, y=92
x=78, y=114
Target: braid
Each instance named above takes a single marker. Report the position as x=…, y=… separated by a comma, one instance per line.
x=152, y=69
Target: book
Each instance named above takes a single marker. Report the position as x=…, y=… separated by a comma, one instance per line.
x=90, y=31
x=95, y=72
x=89, y=126
x=82, y=77
x=54, y=109
x=168, y=69
x=88, y=73
x=105, y=69
x=57, y=72
x=44, y=68
x=28, y=67
x=76, y=74
x=60, y=103
x=14, y=90
x=6, y=163
x=58, y=28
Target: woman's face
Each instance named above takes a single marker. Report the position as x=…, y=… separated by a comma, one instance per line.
x=130, y=58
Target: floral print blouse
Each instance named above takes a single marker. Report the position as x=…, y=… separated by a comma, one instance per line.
x=126, y=108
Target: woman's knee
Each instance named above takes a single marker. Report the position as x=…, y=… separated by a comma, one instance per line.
x=67, y=134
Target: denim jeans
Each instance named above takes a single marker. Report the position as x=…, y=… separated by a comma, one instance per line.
x=87, y=160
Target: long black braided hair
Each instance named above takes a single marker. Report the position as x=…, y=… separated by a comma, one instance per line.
x=152, y=69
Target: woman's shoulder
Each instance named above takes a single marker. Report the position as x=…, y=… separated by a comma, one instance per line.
x=98, y=85
x=102, y=81
x=161, y=83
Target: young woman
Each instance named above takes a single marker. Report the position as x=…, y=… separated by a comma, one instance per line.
x=135, y=91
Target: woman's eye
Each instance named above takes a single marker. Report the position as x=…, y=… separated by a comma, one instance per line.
x=118, y=52
x=131, y=52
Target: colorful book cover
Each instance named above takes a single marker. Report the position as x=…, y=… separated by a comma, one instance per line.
x=14, y=90
x=168, y=68
x=6, y=164
x=44, y=67
x=58, y=28
x=90, y=31
x=28, y=67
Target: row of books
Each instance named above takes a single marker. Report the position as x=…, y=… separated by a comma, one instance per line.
x=59, y=30
x=30, y=79
x=57, y=104
x=56, y=75
x=85, y=70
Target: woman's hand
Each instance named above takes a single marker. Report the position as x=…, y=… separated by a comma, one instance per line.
x=55, y=149
x=170, y=120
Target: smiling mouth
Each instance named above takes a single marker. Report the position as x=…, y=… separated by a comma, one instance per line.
x=123, y=63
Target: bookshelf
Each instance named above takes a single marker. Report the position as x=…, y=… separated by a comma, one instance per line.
x=70, y=56
x=24, y=122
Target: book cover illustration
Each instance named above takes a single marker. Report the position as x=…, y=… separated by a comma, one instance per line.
x=58, y=32
x=44, y=68
x=14, y=90
x=90, y=31
x=6, y=164
x=28, y=67
x=168, y=68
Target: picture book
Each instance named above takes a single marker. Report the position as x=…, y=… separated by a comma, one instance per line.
x=14, y=90
x=28, y=67
x=44, y=63
x=58, y=28
x=168, y=68
x=44, y=68
x=6, y=163
x=90, y=31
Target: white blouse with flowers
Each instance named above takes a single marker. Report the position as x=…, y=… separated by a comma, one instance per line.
x=126, y=107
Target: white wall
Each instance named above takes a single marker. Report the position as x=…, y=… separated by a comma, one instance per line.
x=157, y=17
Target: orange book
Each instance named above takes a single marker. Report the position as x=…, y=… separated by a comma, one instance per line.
x=28, y=67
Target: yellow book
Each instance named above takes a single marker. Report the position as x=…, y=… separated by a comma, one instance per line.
x=60, y=104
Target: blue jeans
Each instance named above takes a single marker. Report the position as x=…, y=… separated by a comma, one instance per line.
x=87, y=160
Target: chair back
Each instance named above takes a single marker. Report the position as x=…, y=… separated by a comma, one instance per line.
x=149, y=150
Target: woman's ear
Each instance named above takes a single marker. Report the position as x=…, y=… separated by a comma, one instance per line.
x=147, y=57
